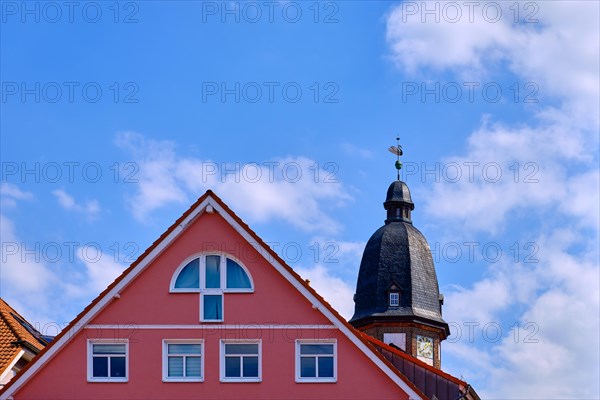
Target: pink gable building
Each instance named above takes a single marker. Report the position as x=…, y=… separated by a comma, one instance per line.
x=210, y=311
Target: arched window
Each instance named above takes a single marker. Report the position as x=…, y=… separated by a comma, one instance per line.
x=211, y=275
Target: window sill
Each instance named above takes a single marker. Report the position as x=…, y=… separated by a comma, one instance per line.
x=179, y=380
x=108, y=380
x=184, y=290
x=241, y=380
x=316, y=380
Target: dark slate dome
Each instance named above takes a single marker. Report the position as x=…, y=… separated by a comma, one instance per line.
x=398, y=191
x=397, y=258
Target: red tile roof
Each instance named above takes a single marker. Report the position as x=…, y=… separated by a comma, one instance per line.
x=14, y=336
x=428, y=379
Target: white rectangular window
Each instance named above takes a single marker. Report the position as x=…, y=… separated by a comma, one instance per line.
x=241, y=361
x=107, y=360
x=183, y=360
x=316, y=361
x=394, y=299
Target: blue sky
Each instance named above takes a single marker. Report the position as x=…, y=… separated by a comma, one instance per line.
x=115, y=119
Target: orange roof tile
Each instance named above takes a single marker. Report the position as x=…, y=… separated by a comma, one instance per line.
x=13, y=331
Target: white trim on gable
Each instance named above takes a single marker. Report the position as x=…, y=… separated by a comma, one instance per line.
x=160, y=247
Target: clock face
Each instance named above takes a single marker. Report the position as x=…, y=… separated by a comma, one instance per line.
x=424, y=346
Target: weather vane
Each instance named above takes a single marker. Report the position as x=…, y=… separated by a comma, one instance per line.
x=397, y=150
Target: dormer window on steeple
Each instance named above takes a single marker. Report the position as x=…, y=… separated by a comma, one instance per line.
x=393, y=293
x=394, y=299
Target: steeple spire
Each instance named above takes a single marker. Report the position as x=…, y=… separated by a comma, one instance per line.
x=398, y=202
x=397, y=150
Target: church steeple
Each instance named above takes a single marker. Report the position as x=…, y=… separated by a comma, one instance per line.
x=397, y=297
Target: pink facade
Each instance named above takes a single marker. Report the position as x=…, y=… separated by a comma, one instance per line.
x=277, y=313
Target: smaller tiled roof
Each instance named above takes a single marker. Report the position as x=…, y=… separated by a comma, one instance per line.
x=16, y=333
x=434, y=383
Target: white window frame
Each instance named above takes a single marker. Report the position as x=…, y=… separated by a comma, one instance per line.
x=223, y=378
x=300, y=379
x=396, y=296
x=90, y=364
x=202, y=272
x=165, y=360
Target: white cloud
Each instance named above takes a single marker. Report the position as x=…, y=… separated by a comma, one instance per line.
x=90, y=208
x=554, y=353
x=559, y=53
x=9, y=194
x=157, y=183
x=21, y=266
x=284, y=188
x=101, y=270
x=532, y=169
x=46, y=273
x=559, y=295
x=337, y=292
